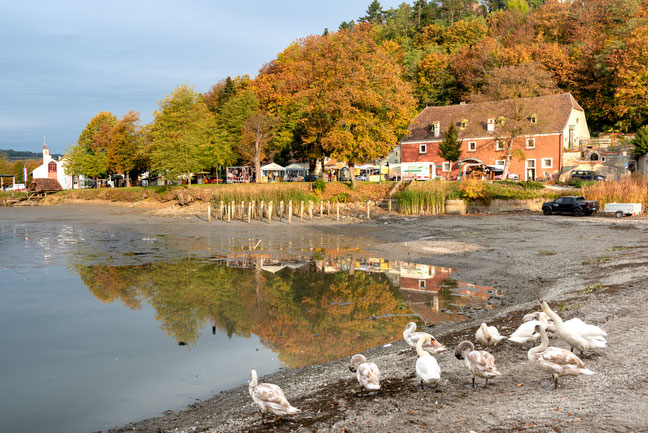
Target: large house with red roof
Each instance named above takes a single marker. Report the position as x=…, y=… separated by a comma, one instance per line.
x=541, y=129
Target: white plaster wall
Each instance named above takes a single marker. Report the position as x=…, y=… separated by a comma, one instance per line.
x=576, y=118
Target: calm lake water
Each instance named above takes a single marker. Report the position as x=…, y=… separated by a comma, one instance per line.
x=116, y=318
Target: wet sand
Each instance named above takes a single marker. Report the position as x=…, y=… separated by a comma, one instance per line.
x=593, y=268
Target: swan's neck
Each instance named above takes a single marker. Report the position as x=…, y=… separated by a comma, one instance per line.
x=487, y=334
x=544, y=340
x=409, y=329
x=555, y=317
x=419, y=346
x=255, y=379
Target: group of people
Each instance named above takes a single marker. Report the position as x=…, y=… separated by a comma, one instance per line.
x=480, y=363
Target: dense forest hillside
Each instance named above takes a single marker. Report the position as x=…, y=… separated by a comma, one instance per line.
x=350, y=94
x=455, y=50
x=22, y=155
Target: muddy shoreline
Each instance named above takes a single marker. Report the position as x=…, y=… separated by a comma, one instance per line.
x=593, y=268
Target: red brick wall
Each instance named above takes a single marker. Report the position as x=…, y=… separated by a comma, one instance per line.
x=546, y=146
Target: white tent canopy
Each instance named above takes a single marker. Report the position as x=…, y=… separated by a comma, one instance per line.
x=367, y=167
x=272, y=167
x=297, y=166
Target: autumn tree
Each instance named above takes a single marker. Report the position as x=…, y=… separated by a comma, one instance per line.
x=88, y=156
x=125, y=145
x=522, y=81
x=245, y=128
x=180, y=134
x=640, y=142
x=450, y=147
x=347, y=90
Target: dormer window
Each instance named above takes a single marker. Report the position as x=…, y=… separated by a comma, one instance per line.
x=464, y=123
x=500, y=120
x=436, y=128
x=533, y=118
x=491, y=125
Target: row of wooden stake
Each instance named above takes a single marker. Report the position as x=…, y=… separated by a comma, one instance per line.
x=228, y=211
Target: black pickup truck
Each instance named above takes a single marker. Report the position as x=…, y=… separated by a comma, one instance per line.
x=574, y=205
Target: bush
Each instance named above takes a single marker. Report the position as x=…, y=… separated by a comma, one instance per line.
x=474, y=189
x=319, y=185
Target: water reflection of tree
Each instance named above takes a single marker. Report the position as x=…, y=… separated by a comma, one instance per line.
x=307, y=317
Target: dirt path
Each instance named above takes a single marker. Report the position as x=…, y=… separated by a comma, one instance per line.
x=593, y=268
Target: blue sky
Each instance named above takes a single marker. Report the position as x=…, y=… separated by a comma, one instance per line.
x=63, y=62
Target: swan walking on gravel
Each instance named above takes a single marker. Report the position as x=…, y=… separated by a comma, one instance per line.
x=578, y=334
x=427, y=367
x=488, y=335
x=367, y=373
x=554, y=360
x=270, y=398
x=411, y=338
x=479, y=362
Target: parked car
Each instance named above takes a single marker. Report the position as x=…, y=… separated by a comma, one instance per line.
x=574, y=205
x=213, y=180
x=586, y=175
x=511, y=176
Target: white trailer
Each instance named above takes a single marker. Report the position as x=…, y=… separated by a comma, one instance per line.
x=623, y=209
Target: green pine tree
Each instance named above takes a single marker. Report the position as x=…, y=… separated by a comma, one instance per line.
x=640, y=142
x=450, y=147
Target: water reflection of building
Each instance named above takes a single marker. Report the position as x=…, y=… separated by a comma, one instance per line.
x=429, y=290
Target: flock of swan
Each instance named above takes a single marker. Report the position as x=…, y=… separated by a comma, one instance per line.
x=480, y=363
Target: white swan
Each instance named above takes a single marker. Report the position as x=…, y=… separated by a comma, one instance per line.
x=270, y=398
x=551, y=327
x=479, y=362
x=488, y=335
x=427, y=367
x=411, y=338
x=578, y=334
x=367, y=373
x=526, y=331
x=554, y=360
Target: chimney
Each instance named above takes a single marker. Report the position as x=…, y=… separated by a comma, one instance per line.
x=491, y=125
x=46, y=155
x=437, y=129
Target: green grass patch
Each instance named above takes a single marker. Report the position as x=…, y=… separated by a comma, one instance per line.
x=597, y=261
x=547, y=253
x=593, y=288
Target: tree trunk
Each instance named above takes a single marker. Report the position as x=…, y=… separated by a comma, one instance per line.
x=507, y=160
x=189, y=179
x=257, y=159
x=353, y=177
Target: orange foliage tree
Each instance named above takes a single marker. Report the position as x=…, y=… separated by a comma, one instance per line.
x=343, y=92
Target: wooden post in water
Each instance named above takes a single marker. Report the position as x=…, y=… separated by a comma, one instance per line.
x=310, y=210
x=209, y=213
x=229, y=212
x=281, y=211
x=290, y=212
x=233, y=206
x=301, y=212
x=242, y=211
x=221, y=210
x=270, y=213
x=338, y=211
x=261, y=206
x=249, y=212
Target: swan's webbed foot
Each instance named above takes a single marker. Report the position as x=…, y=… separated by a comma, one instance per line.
x=422, y=386
x=473, y=382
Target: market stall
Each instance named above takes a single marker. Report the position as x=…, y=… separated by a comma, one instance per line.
x=297, y=171
x=272, y=173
